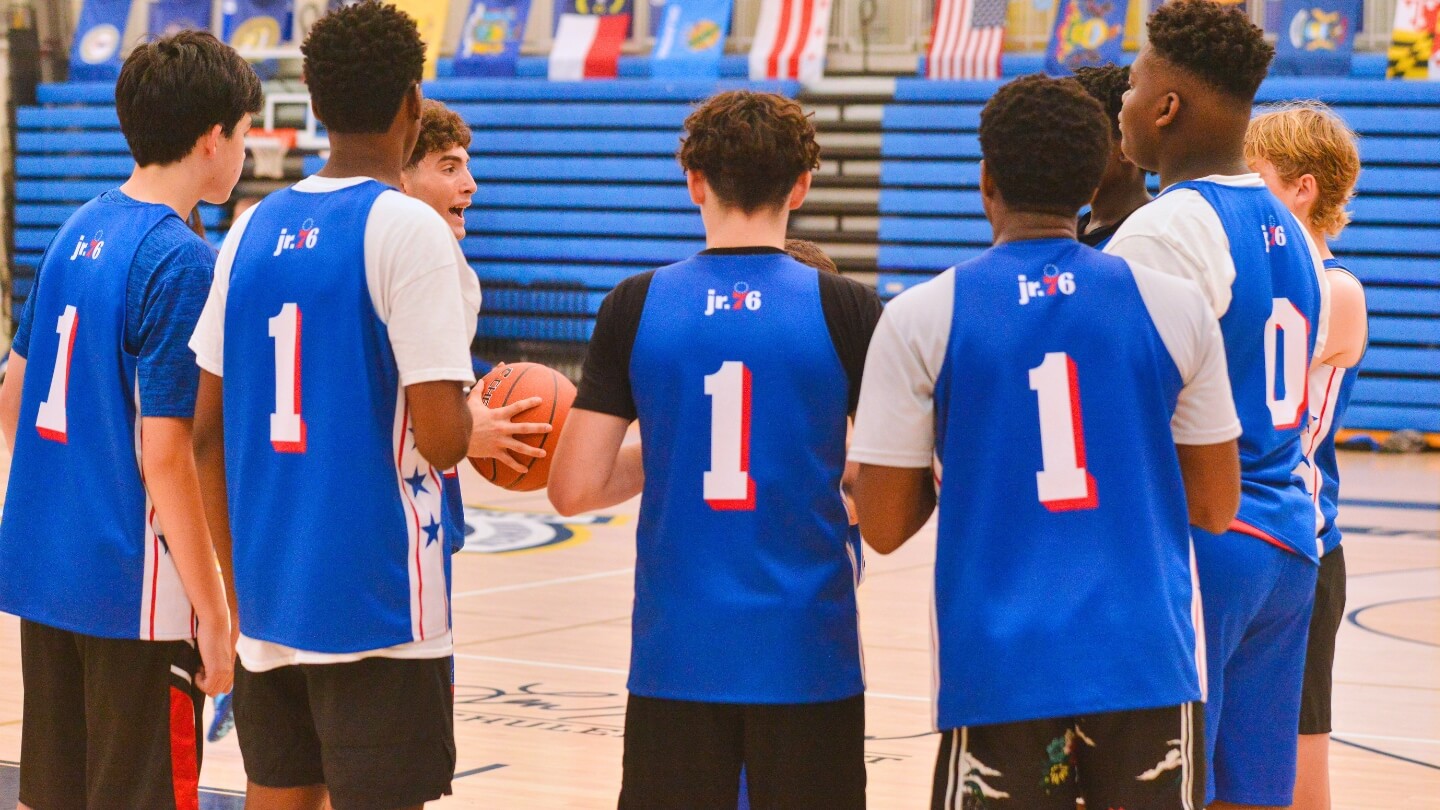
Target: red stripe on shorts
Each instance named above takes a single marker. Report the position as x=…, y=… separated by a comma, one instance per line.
x=184, y=756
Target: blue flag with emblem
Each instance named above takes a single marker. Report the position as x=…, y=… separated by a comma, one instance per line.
x=597, y=8
x=490, y=39
x=1086, y=33
x=255, y=24
x=95, y=56
x=1316, y=37
x=691, y=39
x=169, y=16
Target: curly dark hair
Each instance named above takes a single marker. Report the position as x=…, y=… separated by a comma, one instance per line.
x=751, y=147
x=173, y=90
x=1214, y=43
x=1106, y=84
x=441, y=128
x=360, y=61
x=1045, y=143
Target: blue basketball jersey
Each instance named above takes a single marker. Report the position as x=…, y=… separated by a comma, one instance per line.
x=1333, y=385
x=1062, y=570
x=1269, y=333
x=80, y=548
x=744, y=584
x=337, y=518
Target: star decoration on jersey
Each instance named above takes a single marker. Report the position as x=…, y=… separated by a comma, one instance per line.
x=417, y=482
x=432, y=531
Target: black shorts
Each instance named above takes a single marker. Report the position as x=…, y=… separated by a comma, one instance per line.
x=1325, y=620
x=1145, y=758
x=108, y=723
x=683, y=754
x=379, y=733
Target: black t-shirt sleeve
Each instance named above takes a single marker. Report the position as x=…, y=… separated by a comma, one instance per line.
x=605, y=380
x=851, y=311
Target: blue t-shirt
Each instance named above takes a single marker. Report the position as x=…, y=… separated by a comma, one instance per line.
x=164, y=294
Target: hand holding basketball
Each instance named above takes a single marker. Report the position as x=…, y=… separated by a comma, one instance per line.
x=523, y=447
x=493, y=434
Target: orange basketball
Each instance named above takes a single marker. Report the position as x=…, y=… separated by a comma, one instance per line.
x=512, y=383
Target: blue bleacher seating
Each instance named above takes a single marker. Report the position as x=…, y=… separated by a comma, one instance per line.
x=931, y=216
x=578, y=184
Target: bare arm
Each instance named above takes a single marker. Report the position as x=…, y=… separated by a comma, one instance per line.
x=10, y=392
x=168, y=463
x=593, y=468
x=893, y=502
x=442, y=421
x=1212, y=483
x=209, y=445
x=1349, y=329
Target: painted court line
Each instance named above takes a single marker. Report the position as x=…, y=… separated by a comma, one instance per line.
x=525, y=586
x=474, y=771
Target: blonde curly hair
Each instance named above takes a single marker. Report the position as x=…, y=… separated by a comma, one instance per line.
x=1301, y=138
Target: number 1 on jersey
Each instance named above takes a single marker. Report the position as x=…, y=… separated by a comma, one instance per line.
x=52, y=419
x=287, y=429
x=1064, y=484
x=727, y=484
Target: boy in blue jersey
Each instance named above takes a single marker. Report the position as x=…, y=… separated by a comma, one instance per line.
x=1308, y=158
x=104, y=553
x=741, y=366
x=1122, y=187
x=335, y=349
x=1214, y=222
x=1080, y=408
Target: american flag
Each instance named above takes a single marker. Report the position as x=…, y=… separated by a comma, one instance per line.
x=967, y=39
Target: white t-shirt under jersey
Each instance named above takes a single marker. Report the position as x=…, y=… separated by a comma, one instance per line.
x=428, y=298
x=1180, y=234
x=895, y=424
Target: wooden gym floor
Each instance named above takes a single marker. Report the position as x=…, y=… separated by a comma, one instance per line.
x=542, y=622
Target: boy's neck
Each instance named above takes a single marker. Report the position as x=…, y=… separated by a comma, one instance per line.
x=732, y=228
x=1322, y=243
x=378, y=155
x=1218, y=150
x=1022, y=226
x=174, y=185
x=1113, y=206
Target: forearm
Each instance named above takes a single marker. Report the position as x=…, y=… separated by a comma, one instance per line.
x=210, y=469
x=10, y=393
x=593, y=467
x=893, y=504
x=174, y=487
x=626, y=480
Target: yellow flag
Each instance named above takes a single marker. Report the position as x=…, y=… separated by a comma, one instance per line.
x=431, y=17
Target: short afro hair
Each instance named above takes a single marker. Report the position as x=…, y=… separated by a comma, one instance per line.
x=1215, y=43
x=360, y=61
x=441, y=129
x=175, y=89
x=751, y=147
x=1106, y=84
x=1046, y=143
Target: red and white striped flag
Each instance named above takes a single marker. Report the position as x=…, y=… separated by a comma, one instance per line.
x=587, y=46
x=790, y=40
x=967, y=39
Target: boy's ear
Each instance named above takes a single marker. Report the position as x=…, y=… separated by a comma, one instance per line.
x=413, y=101
x=799, y=192
x=699, y=190
x=209, y=143
x=1307, y=189
x=1169, y=109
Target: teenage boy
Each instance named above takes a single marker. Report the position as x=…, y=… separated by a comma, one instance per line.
x=1072, y=398
x=1122, y=187
x=1192, y=87
x=104, y=553
x=1308, y=158
x=334, y=348
x=741, y=365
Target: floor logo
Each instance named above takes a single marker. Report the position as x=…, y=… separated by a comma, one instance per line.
x=495, y=531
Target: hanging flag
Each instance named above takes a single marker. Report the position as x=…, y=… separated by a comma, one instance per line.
x=490, y=39
x=967, y=39
x=430, y=17
x=790, y=40
x=691, y=39
x=254, y=24
x=305, y=14
x=1316, y=38
x=1086, y=33
x=596, y=8
x=1412, y=45
x=588, y=47
x=95, y=55
x=170, y=16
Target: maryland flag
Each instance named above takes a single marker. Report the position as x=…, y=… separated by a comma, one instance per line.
x=1413, y=53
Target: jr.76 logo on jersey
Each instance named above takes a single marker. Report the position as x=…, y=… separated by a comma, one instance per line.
x=1052, y=283
x=741, y=299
